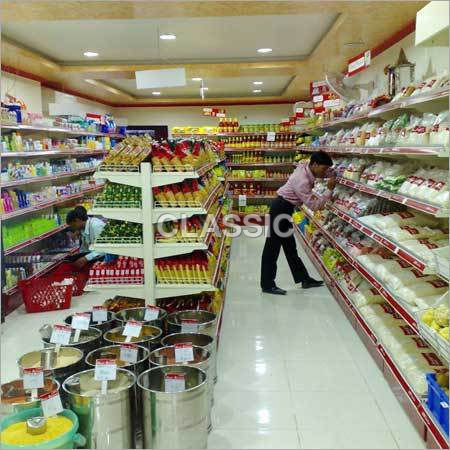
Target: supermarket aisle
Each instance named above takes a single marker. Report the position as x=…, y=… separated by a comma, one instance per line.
x=293, y=373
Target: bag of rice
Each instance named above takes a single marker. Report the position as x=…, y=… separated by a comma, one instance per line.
x=422, y=289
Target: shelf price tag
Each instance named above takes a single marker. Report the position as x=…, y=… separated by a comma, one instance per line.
x=105, y=369
x=151, y=313
x=61, y=334
x=132, y=329
x=174, y=382
x=242, y=200
x=270, y=136
x=189, y=325
x=184, y=352
x=33, y=378
x=51, y=404
x=99, y=314
x=129, y=353
x=80, y=321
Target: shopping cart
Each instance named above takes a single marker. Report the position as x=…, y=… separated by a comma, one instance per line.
x=47, y=293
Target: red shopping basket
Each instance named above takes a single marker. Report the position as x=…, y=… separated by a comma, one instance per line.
x=80, y=277
x=41, y=294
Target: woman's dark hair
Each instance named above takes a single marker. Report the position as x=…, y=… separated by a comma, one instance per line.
x=78, y=212
x=321, y=158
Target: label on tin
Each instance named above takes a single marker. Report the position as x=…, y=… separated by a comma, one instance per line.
x=105, y=369
x=174, y=382
x=129, y=353
x=51, y=404
x=151, y=313
x=81, y=321
x=132, y=328
x=61, y=334
x=99, y=314
x=189, y=325
x=33, y=378
x=184, y=352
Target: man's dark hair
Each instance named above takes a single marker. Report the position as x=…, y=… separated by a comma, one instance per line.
x=321, y=158
x=77, y=213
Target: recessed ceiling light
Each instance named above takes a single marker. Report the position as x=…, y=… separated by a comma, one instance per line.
x=264, y=50
x=258, y=82
x=256, y=91
x=354, y=44
x=196, y=79
x=90, y=54
x=167, y=37
x=204, y=88
x=156, y=93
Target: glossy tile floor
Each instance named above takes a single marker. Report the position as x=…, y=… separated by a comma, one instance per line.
x=292, y=372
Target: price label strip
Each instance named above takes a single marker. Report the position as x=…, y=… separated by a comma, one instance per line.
x=270, y=136
x=189, y=325
x=33, y=378
x=61, y=335
x=184, y=352
x=174, y=382
x=51, y=404
x=105, y=370
x=99, y=314
x=129, y=353
x=80, y=321
x=151, y=313
x=132, y=329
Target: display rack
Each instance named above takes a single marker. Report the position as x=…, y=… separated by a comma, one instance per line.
x=374, y=346
x=74, y=132
x=148, y=215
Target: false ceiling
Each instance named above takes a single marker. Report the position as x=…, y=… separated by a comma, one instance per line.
x=216, y=41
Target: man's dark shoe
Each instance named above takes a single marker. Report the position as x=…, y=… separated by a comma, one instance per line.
x=311, y=283
x=275, y=291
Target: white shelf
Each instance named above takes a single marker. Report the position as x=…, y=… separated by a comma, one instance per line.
x=163, y=250
x=127, y=178
x=128, y=290
x=176, y=290
x=128, y=214
x=132, y=250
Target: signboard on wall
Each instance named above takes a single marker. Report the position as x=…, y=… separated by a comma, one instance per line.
x=214, y=112
x=359, y=63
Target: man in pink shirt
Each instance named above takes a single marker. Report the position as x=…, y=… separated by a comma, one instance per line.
x=296, y=192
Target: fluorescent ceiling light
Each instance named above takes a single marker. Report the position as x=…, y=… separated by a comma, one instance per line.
x=167, y=37
x=258, y=82
x=264, y=50
x=204, y=88
x=196, y=79
x=256, y=91
x=156, y=93
x=90, y=54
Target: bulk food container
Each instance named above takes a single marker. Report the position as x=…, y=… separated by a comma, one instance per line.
x=193, y=321
x=14, y=398
x=142, y=364
x=175, y=418
x=66, y=362
x=123, y=316
x=198, y=339
x=150, y=337
x=165, y=356
x=33, y=431
x=107, y=421
x=103, y=326
x=89, y=339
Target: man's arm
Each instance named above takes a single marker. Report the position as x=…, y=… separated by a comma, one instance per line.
x=97, y=228
x=313, y=201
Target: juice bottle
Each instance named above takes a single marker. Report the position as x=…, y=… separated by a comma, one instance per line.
x=179, y=197
x=235, y=125
x=188, y=194
x=169, y=196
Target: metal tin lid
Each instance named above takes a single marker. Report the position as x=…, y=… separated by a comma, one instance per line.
x=165, y=356
x=36, y=425
x=113, y=352
x=14, y=393
x=138, y=314
x=203, y=317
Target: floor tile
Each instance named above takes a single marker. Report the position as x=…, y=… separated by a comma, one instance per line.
x=408, y=438
x=254, y=410
x=253, y=439
x=325, y=375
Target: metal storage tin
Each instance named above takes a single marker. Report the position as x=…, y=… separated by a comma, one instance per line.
x=175, y=420
x=150, y=337
x=142, y=364
x=104, y=326
x=198, y=339
x=89, y=340
x=59, y=366
x=122, y=316
x=207, y=322
x=106, y=420
x=165, y=356
x=15, y=399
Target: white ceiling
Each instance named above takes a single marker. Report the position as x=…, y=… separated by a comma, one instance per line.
x=198, y=39
x=217, y=88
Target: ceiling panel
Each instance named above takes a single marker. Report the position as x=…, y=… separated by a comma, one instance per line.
x=198, y=39
x=217, y=88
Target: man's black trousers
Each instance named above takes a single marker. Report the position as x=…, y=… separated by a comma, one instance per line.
x=274, y=242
